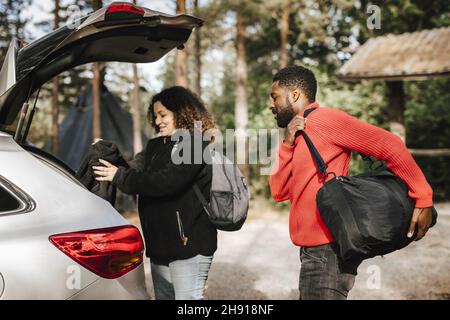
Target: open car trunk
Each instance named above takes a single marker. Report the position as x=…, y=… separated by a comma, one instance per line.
x=119, y=32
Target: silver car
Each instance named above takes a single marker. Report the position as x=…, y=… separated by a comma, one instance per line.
x=57, y=239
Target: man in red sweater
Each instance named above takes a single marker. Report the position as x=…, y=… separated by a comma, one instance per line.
x=323, y=275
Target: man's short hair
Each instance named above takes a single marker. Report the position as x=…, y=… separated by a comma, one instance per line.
x=298, y=77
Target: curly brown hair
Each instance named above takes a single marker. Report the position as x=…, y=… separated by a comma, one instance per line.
x=186, y=106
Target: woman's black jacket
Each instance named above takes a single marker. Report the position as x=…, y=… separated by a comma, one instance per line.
x=174, y=224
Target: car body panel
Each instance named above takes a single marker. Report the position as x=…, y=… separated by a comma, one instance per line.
x=127, y=287
x=32, y=267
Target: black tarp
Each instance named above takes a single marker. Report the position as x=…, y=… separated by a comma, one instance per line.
x=75, y=134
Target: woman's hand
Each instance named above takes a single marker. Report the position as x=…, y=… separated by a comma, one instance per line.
x=96, y=140
x=105, y=173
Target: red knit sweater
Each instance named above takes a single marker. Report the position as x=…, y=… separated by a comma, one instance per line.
x=335, y=134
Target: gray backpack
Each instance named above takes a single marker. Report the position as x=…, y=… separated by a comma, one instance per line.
x=229, y=199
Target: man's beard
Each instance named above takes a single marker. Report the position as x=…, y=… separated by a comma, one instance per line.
x=285, y=115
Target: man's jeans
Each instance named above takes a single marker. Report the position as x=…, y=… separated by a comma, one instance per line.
x=182, y=279
x=323, y=275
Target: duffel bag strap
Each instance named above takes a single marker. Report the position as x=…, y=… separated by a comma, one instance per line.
x=321, y=165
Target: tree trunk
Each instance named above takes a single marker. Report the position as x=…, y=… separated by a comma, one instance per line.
x=198, y=57
x=284, y=33
x=396, y=96
x=96, y=85
x=181, y=60
x=55, y=95
x=241, y=107
x=137, y=138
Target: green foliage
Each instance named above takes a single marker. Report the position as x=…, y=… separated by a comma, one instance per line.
x=322, y=36
x=168, y=77
x=428, y=113
x=11, y=23
x=428, y=126
x=365, y=101
x=222, y=105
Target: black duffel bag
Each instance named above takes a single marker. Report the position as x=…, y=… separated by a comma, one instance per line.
x=368, y=214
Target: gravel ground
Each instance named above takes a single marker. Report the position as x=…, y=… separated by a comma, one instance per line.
x=260, y=262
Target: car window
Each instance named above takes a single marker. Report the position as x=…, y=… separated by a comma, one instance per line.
x=14, y=200
x=8, y=202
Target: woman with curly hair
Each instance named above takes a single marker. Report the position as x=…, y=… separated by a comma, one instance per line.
x=180, y=239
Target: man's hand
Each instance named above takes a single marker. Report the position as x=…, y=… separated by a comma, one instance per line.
x=422, y=218
x=297, y=123
x=105, y=173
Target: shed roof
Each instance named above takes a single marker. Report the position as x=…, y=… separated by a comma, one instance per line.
x=408, y=56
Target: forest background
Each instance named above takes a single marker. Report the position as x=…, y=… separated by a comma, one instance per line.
x=231, y=59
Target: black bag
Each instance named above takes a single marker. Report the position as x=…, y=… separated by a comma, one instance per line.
x=105, y=150
x=368, y=214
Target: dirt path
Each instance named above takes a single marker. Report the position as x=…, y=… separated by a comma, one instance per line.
x=260, y=262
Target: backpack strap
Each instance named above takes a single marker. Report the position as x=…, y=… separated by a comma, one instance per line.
x=202, y=198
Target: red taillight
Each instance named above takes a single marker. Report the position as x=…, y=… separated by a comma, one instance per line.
x=124, y=8
x=109, y=252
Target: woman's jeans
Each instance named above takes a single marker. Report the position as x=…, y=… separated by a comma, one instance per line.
x=181, y=279
x=323, y=275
